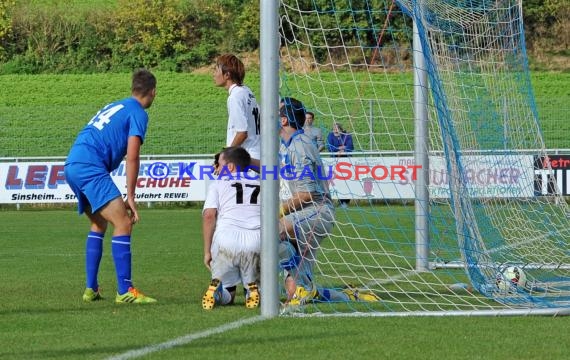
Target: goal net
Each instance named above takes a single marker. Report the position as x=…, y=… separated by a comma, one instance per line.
x=453, y=206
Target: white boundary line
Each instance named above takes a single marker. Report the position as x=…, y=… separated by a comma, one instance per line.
x=186, y=339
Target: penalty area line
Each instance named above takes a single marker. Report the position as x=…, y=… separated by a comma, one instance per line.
x=186, y=339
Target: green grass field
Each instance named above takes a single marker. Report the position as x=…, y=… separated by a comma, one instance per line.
x=40, y=115
x=41, y=257
x=43, y=317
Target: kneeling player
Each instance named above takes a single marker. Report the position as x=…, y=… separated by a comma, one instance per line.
x=231, y=230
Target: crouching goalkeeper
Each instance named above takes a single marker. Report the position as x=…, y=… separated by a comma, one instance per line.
x=308, y=212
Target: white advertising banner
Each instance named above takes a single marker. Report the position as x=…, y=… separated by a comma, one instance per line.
x=349, y=178
x=371, y=178
x=487, y=176
x=159, y=180
x=393, y=177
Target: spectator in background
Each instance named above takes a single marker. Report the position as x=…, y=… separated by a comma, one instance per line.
x=314, y=133
x=339, y=142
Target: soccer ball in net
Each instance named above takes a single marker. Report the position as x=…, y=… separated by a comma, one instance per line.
x=511, y=278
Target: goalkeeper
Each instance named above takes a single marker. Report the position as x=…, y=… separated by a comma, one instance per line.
x=307, y=212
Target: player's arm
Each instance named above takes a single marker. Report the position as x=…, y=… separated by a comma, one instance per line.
x=286, y=228
x=238, y=118
x=133, y=165
x=239, y=139
x=208, y=226
x=295, y=202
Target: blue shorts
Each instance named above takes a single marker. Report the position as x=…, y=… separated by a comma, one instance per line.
x=91, y=184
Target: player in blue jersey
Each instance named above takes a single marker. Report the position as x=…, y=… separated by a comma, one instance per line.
x=116, y=132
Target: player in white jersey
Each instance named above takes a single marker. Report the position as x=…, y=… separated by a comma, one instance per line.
x=243, y=112
x=232, y=231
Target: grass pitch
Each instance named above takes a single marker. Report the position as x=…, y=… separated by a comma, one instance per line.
x=42, y=315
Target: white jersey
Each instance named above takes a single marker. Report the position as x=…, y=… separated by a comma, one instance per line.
x=243, y=115
x=237, y=201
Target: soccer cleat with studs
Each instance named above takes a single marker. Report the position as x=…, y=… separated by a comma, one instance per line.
x=252, y=300
x=213, y=294
x=303, y=296
x=356, y=295
x=90, y=295
x=133, y=296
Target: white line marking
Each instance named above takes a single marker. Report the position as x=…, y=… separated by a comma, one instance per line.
x=186, y=339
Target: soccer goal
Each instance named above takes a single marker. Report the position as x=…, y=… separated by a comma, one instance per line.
x=453, y=208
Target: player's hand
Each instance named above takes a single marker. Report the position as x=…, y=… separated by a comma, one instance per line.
x=208, y=260
x=132, y=210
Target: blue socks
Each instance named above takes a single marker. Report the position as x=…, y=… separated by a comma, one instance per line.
x=121, y=247
x=93, y=253
x=292, y=262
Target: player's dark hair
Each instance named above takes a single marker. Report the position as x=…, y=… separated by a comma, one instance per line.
x=310, y=113
x=233, y=66
x=294, y=111
x=237, y=156
x=217, y=159
x=143, y=82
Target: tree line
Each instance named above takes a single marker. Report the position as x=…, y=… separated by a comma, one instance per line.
x=176, y=35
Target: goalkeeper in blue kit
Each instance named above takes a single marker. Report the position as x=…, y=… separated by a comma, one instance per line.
x=116, y=131
x=307, y=213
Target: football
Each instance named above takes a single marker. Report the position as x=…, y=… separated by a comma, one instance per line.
x=511, y=278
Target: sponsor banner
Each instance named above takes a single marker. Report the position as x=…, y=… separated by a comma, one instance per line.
x=393, y=177
x=486, y=176
x=371, y=178
x=348, y=177
x=552, y=175
x=44, y=181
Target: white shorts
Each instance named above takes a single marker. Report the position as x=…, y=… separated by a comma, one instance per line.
x=235, y=256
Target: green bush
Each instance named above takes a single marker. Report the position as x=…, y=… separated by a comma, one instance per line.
x=169, y=35
x=179, y=35
x=5, y=24
x=50, y=39
x=147, y=31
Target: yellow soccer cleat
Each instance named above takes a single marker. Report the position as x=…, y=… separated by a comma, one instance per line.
x=302, y=296
x=356, y=295
x=252, y=300
x=213, y=294
x=133, y=296
x=90, y=295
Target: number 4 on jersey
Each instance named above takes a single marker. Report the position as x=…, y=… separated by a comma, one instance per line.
x=104, y=116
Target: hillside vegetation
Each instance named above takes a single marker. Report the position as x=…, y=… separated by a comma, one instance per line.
x=63, y=36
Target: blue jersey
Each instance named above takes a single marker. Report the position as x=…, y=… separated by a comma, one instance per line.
x=104, y=140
